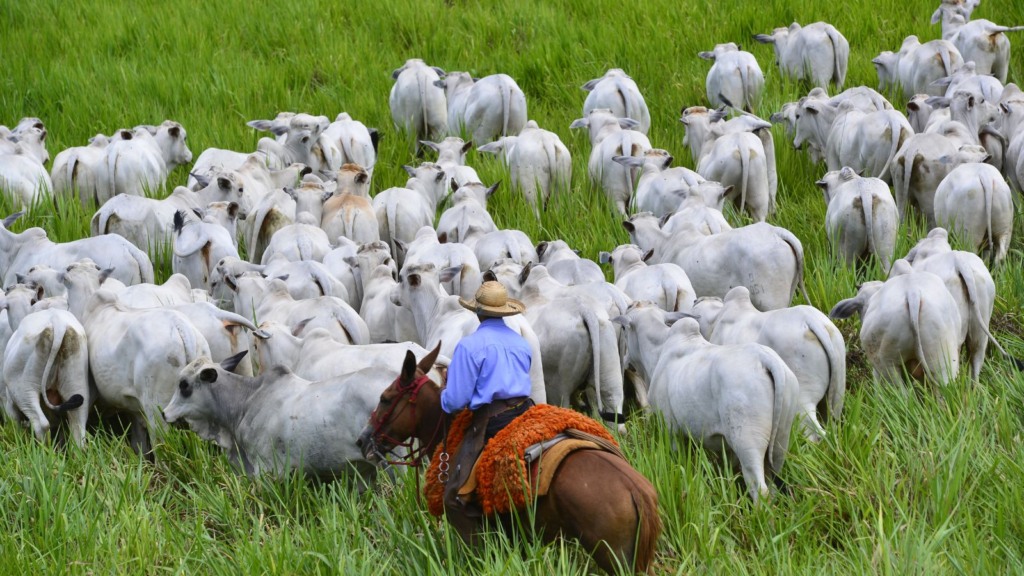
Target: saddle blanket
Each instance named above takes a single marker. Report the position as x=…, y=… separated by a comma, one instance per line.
x=502, y=479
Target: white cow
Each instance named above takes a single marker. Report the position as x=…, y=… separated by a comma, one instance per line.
x=350, y=216
x=922, y=163
x=268, y=299
x=277, y=422
x=741, y=398
x=296, y=242
x=917, y=65
x=861, y=219
x=735, y=79
x=467, y=220
x=618, y=93
x=739, y=154
x=348, y=141
x=969, y=281
x=699, y=210
x=304, y=278
x=23, y=178
x=865, y=141
x=76, y=170
x=498, y=245
x=451, y=156
x=418, y=105
x=316, y=356
x=488, y=108
x=611, y=136
x=401, y=212
x=145, y=222
x=565, y=264
x=766, y=259
x=296, y=134
x=198, y=246
x=46, y=362
x=816, y=53
x=980, y=41
x=539, y=163
x=134, y=359
x=660, y=188
x=806, y=340
x=973, y=200
x=19, y=252
x=140, y=163
x=426, y=249
x=385, y=320
x=908, y=323
x=664, y=284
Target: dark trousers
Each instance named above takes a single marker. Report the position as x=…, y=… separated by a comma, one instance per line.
x=488, y=420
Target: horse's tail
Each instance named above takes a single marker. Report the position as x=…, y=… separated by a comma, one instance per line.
x=645, y=500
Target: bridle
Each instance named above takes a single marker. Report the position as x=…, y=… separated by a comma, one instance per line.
x=416, y=454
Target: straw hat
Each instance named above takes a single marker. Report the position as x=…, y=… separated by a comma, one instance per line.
x=492, y=300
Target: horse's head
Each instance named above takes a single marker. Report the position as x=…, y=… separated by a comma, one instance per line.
x=404, y=410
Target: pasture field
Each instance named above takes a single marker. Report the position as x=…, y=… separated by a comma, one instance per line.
x=907, y=482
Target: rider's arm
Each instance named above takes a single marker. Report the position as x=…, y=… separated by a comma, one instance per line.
x=462, y=375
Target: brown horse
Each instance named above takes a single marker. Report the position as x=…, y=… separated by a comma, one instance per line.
x=595, y=497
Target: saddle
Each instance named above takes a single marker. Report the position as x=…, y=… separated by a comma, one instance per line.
x=519, y=463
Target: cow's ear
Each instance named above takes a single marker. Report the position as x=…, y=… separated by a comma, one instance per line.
x=229, y=364
x=40, y=293
x=408, y=367
x=648, y=254
x=629, y=226
x=493, y=189
x=413, y=279
x=489, y=276
x=409, y=170
x=20, y=279
x=467, y=146
x=105, y=273
x=174, y=131
x=525, y=273
x=442, y=237
x=233, y=209
x=362, y=177
x=208, y=375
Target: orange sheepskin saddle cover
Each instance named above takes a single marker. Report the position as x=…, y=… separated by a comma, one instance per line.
x=503, y=481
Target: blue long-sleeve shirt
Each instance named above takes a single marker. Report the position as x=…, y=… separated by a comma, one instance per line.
x=492, y=363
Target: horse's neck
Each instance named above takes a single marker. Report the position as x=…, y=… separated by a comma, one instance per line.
x=430, y=429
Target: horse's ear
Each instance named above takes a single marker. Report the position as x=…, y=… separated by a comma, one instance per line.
x=428, y=361
x=408, y=367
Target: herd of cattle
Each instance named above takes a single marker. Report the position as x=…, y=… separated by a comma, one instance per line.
x=337, y=285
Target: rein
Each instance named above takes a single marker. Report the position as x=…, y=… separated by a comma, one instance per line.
x=415, y=456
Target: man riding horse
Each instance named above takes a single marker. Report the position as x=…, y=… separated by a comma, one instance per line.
x=489, y=373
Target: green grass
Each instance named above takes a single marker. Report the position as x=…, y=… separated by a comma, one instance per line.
x=904, y=483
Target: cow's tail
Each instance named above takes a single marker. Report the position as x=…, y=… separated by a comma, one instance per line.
x=56, y=331
x=552, y=182
x=840, y=56
x=747, y=103
x=897, y=132
x=987, y=190
x=914, y=307
x=506, y=105
x=798, y=253
x=391, y=215
x=671, y=291
x=627, y=150
x=424, y=128
x=835, y=351
x=744, y=175
x=867, y=207
x=970, y=284
x=778, y=439
x=902, y=188
x=146, y=272
x=593, y=326
x=947, y=65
